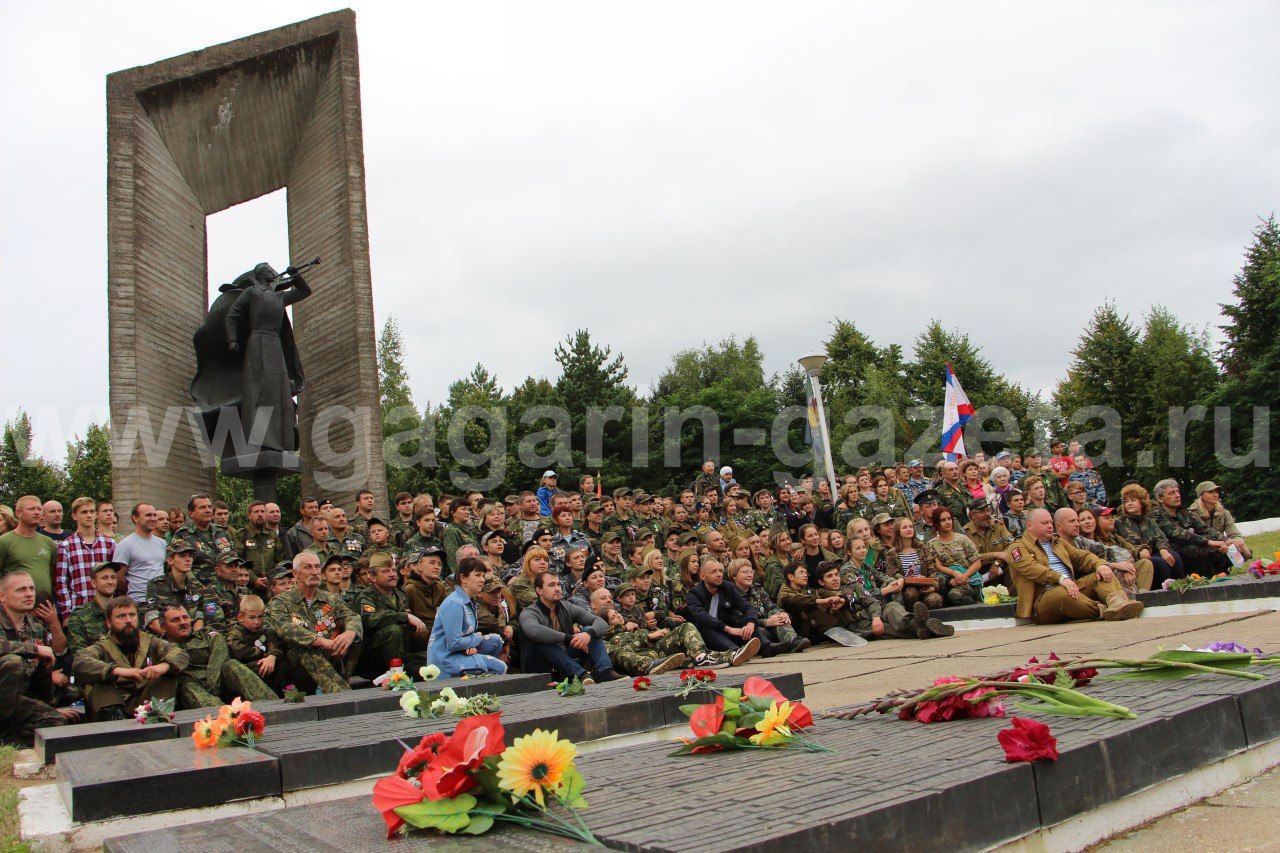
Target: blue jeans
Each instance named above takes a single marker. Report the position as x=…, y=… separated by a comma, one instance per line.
x=484, y=660
x=545, y=657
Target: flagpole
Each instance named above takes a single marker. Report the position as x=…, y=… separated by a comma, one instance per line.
x=812, y=365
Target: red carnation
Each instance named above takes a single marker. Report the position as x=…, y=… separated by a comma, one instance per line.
x=641, y=683
x=250, y=722
x=1027, y=741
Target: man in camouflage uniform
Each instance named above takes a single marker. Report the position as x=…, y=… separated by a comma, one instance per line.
x=320, y=633
x=345, y=539
x=401, y=526
x=952, y=494
x=622, y=522
x=323, y=545
x=363, y=514
x=765, y=515
x=27, y=654
x=211, y=676
x=205, y=538
x=637, y=651
x=260, y=548
x=390, y=628
x=178, y=586
x=226, y=589
x=1203, y=549
x=644, y=517
x=992, y=539
x=88, y=623
x=126, y=667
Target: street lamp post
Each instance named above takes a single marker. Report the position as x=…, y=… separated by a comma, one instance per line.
x=812, y=365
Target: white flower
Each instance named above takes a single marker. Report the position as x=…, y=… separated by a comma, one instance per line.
x=430, y=672
x=409, y=703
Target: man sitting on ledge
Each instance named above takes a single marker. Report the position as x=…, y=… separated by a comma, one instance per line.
x=1058, y=582
x=561, y=635
x=126, y=667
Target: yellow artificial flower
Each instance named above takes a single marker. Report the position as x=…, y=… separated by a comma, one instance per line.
x=773, y=725
x=991, y=598
x=535, y=762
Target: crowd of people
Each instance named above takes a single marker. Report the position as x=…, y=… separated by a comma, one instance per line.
x=576, y=582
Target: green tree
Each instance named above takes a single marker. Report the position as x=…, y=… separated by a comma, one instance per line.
x=1255, y=315
x=738, y=365
x=591, y=385
x=22, y=472
x=408, y=443
x=89, y=463
x=1106, y=370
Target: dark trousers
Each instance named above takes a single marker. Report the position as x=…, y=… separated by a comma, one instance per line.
x=1164, y=571
x=1203, y=560
x=547, y=657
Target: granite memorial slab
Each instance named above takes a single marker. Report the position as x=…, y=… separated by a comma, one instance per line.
x=158, y=776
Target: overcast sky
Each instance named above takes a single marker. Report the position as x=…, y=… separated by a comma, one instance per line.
x=665, y=174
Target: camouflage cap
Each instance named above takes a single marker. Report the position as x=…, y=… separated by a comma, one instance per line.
x=880, y=518
x=492, y=585
x=638, y=571
x=645, y=533
x=591, y=506
x=622, y=492
x=688, y=538
x=511, y=499
x=227, y=557
x=611, y=536
x=179, y=546
x=622, y=590
x=644, y=498
x=283, y=569
x=107, y=564
x=578, y=545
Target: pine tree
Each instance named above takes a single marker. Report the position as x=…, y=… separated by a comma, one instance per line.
x=1255, y=316
x=21, y=472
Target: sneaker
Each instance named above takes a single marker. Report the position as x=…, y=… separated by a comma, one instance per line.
x=586, y=679
x=746, y=652
x=798, y=645
x=609, y=674
x=938, y=628
x=665, y=664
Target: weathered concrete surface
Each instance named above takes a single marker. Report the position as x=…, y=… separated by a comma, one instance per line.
x=1241, y=819
x=835, y=675
x=196, y=134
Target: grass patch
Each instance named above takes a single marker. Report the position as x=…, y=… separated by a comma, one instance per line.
x=9, y=842
x=1264, y=545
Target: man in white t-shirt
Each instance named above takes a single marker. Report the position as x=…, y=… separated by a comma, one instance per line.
x=142, y=553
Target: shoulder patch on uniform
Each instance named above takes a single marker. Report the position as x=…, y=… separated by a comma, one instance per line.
x=1016, y=553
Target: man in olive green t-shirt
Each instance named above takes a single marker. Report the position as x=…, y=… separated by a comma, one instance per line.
x=24, y=549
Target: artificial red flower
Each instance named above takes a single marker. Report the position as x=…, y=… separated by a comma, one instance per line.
x=800, y=718
x=991, y=707
x=415, y=759
x=642, y=683
x=389, y=794
x=1028, y=740
x=448, y=774
x=706, y=721
x=250, y=722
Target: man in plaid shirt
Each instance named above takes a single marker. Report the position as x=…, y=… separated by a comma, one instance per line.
x=77, y=555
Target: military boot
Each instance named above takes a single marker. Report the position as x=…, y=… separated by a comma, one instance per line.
x=1120, y=606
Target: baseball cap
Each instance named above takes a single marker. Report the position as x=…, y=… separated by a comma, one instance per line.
x=373, y=519
x=283, y=569
x=179, y=546
x=1206, y=486
x=979, y=503
x=611, y=536
x=916, y=463
x=546, y=474
x=338, y=558
x=227, y=557
x=726, y=470
x=622, y=492
x=491, y=585
x=623, y=588
x=107, y=564
x=881, y=518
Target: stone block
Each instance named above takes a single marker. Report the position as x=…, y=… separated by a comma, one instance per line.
x=160, y=776
x=51, y=742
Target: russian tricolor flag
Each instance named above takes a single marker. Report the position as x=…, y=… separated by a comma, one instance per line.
x=956, y=412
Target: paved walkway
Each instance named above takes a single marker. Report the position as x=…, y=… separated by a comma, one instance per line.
x=835, y=675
